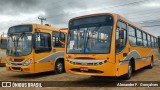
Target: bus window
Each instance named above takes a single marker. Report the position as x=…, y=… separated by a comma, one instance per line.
x=3, y=44
x=98, y=41
x=42, y=42
x=56, y=41
x=144, y=39
x=132, y=34
x=139, y=38
x=120, y=45
x=152, y=41
x=149, y=40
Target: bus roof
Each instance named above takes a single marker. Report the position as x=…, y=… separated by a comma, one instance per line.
x=40, y=26
x=48, y=27
x=65, y=30
x=118, y=17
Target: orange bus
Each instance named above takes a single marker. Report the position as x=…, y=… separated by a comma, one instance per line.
x=34, y=48
x=3, y=46
x=107, y=44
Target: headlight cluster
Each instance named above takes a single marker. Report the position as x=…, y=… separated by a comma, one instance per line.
x=8, y=62
x=26, y=63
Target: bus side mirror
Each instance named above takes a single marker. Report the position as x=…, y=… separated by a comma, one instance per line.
x=62, y=37
x=121, y=35
x=121, y=32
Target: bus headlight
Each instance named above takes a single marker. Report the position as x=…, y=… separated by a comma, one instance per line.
x=26, y=63
x=8, y=62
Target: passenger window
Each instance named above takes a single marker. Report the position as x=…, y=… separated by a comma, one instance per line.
x=139, y=38
x=42, y=42
x=121, y=38
x=132, y=38
x=144, y=39
x=158, y=42
x=152, y=40
x=56, y=41
x=149, y=40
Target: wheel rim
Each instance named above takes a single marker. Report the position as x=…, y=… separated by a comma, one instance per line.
x=59, y=67
x=130, y=70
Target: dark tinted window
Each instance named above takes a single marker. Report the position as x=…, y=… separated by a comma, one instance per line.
x=149, y=40
x=20, y=29
x=120, y=45
x=56, y=41
x=144, y=39
x=86, y=21
x=132, y=38
x=139, y=38
x=122, y=24
x=3, y=44
x=42, y=42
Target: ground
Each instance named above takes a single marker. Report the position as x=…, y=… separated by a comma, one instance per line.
x=140, y=75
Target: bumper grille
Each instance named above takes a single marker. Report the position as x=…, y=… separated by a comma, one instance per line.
x=16, y=68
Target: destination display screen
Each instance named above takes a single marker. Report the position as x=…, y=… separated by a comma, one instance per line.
x=20, y=29
x=101, y=19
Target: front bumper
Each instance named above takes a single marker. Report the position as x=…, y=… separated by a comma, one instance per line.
x=26, y=69
x=104, y=69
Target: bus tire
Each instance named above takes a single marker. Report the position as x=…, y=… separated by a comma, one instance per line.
x=129, y=74
x=59, y=67
x=150, y=66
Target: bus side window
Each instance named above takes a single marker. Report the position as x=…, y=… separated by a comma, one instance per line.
x=121, y=36
x=120, y=45
x=42, y=42
x=56, y=39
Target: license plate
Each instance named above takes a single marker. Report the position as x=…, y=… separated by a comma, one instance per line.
x=83, y=68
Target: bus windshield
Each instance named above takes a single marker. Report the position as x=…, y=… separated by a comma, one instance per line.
x=92, y=36
x=19, y=44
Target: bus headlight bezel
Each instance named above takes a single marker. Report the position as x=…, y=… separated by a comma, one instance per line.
x=26, y=63
x=8, y=62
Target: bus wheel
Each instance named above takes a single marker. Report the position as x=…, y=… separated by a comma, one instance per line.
x=129, y=74
x=59, y=67
x=150, y=66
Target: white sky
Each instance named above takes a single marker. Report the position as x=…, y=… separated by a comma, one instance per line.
x=58, y=12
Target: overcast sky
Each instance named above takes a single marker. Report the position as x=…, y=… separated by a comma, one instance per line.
x=58, y=12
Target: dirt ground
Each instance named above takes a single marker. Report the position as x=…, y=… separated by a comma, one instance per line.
x=140, y=75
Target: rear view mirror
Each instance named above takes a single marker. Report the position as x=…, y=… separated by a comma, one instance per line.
x=122, y=34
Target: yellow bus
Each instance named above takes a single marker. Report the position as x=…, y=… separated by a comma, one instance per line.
x=106, y=44
x=34, y=48
x=3, y=44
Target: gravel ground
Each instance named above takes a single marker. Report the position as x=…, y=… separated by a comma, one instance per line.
x=140, y=75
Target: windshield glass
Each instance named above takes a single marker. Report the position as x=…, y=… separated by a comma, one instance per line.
x=19, y=44
x=90, y=37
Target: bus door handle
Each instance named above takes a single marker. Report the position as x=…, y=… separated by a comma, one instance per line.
x=125, y=54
